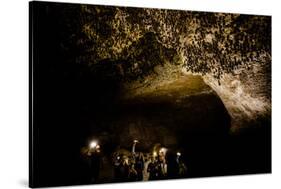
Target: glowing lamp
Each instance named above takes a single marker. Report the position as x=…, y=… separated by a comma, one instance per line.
x=93, y=144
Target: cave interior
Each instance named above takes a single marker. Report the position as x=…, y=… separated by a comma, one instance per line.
x=147, y=91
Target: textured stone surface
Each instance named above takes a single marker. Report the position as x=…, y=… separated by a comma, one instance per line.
x=246, y=94
x=148, y=48
x=171, y=111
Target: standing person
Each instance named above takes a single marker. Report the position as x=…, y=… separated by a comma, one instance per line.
x=124, y=169
x=145, y=173
x=182, y=168
x=152, y=169
x=162, y=167
x=172, y=166
x=93, y=159
x=116, y=164
x=85, y=174
x=139, y=165
x=95, y=166
x=133, y=175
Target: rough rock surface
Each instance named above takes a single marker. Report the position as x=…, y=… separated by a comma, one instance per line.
x=231, y=51
x=246, y=94
x=158, y=113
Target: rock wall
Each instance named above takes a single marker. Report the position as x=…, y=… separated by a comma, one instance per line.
x=231, y=51
x=246, y=94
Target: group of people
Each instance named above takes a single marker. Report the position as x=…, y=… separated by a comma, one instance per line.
x=138, y=166
x=131, y=165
